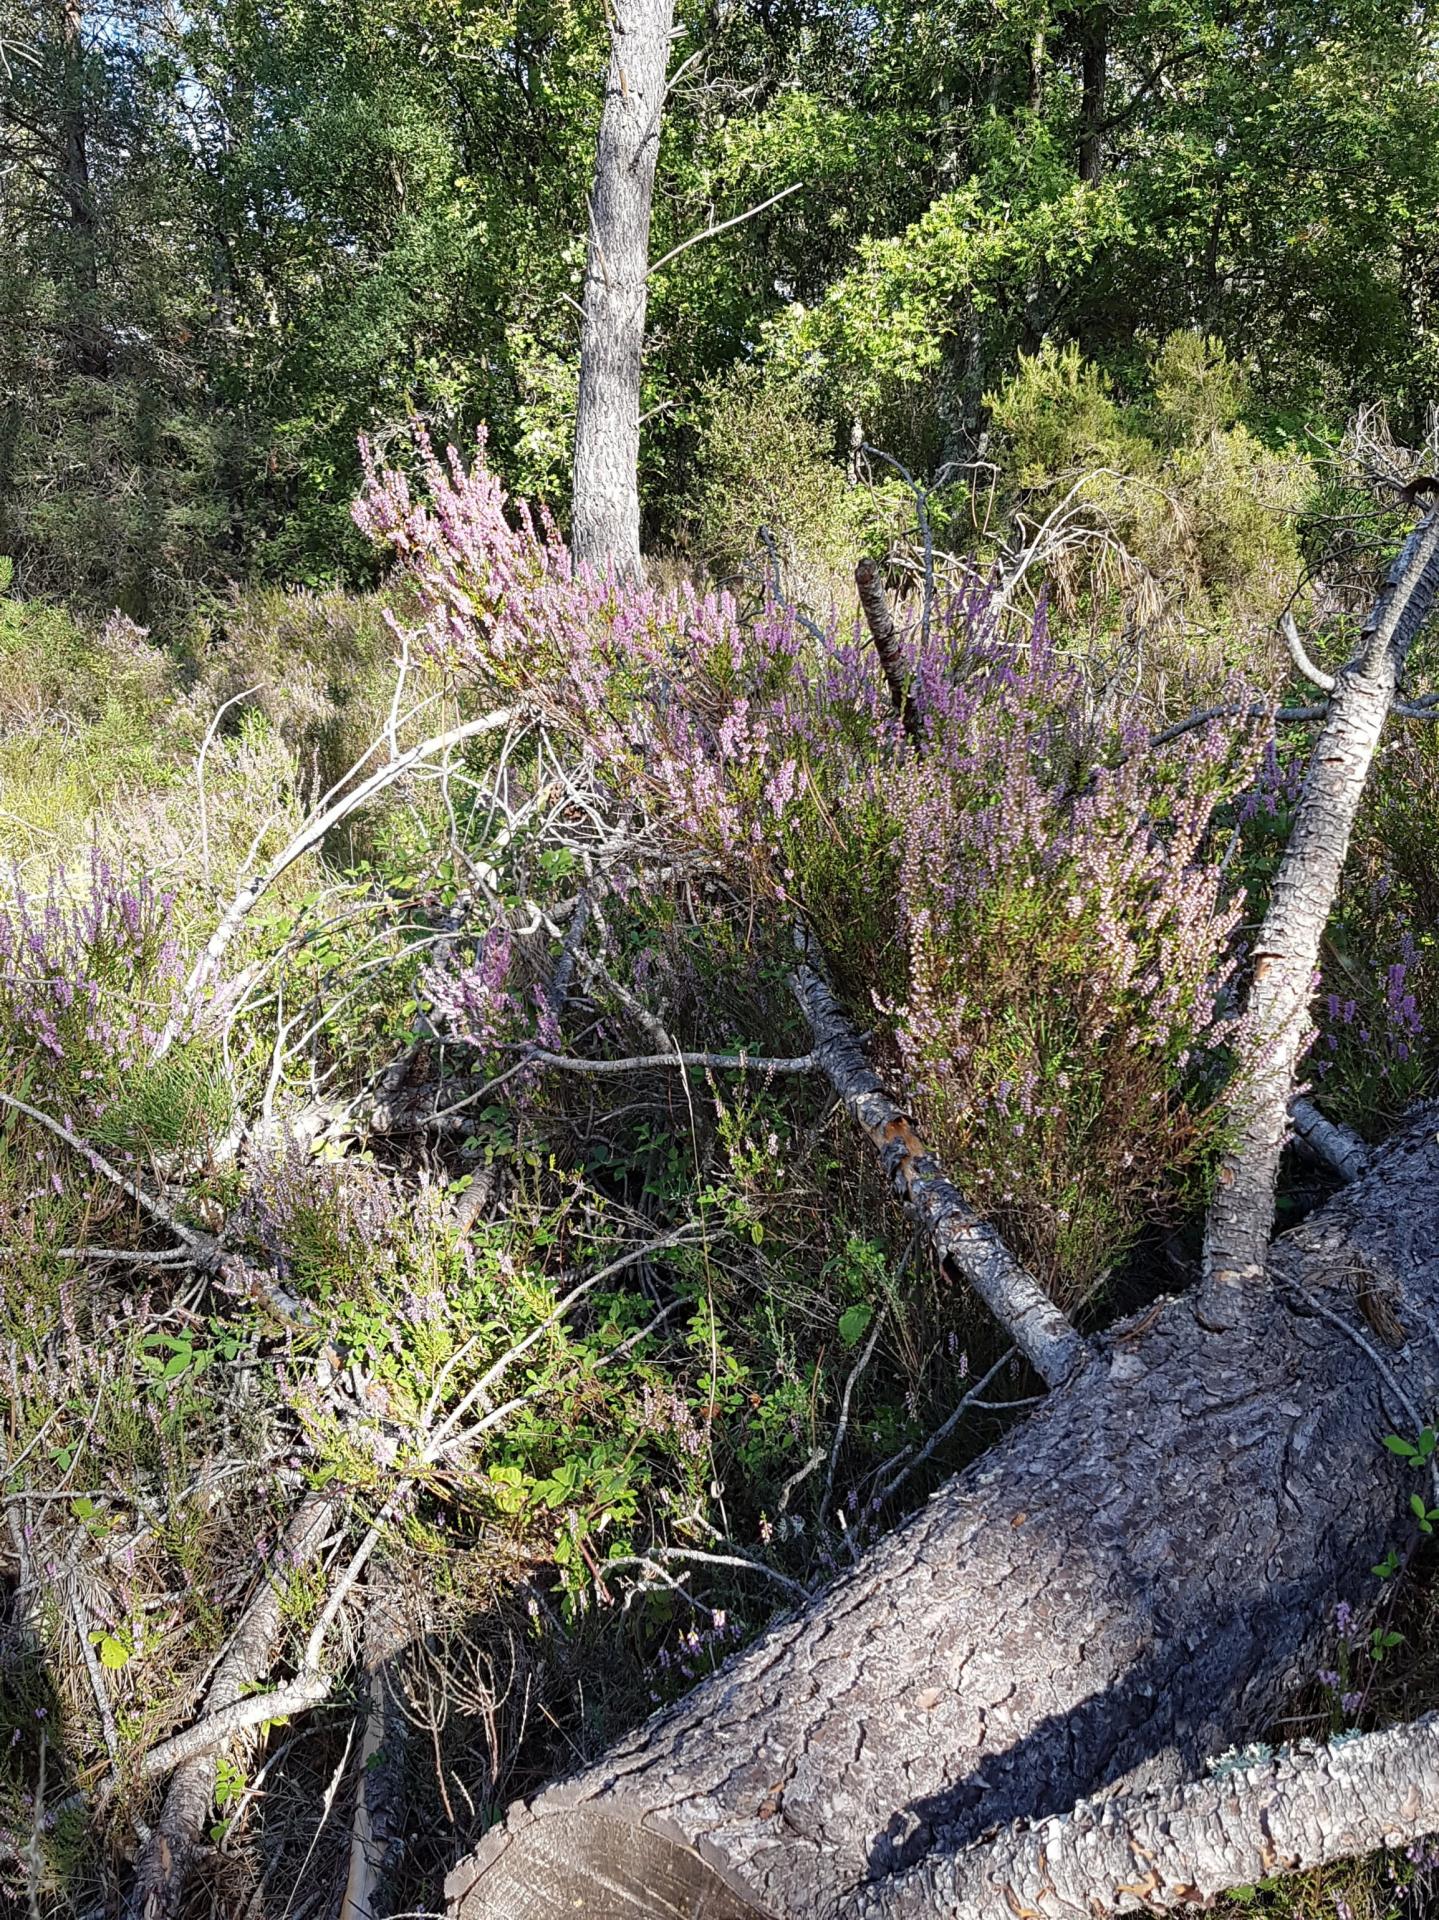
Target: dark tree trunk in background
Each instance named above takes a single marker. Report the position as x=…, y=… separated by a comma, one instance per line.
x=88, y=351
x=606, y=513
x=1133, y=1580
x=1093, y=88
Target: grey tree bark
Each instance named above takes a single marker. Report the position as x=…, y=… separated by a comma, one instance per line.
x=955, y=1231
x=1304, y=1808
x=1130, y=1581
x=173, y=1848
x=606, y=504
x=1241, y=1214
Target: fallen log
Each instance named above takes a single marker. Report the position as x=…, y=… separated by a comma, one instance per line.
x=1132, y=1580
x=1302, y=1808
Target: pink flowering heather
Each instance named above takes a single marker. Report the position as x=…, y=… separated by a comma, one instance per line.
x=87, y=977
x=1034, y=901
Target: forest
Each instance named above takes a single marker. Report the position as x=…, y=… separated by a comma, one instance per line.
x=719, y=959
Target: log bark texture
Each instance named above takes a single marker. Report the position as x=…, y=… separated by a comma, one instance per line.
x=1303, y=1808
x=1133, y=1579
x=606, y=509
x=1286, y=951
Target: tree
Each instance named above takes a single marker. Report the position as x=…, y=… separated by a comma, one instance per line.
x=606, y=501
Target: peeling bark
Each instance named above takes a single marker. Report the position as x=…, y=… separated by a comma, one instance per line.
x=1305, y=1808
x=970, y=1245
x=1132, y=1580
x=606, y=526
x=1286, y=952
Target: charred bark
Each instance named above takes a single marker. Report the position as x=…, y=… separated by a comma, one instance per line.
x=1132, y=1580
x=1286, y=952
x=606, y=524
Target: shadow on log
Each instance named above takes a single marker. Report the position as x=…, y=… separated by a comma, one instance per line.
x=1129, y=1582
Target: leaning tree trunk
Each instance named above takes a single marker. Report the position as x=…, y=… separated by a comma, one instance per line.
x=1286, y=951
x=1132, y=1580
x=606, y=508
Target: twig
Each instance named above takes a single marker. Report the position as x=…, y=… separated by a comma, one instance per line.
x=722, y=226
x=253, y=889
x=202, y=1246
x=702, y=1558
x=645, y=1062
x=941, y=1434
x=842, y=1424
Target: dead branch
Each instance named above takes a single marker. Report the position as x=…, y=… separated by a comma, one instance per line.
x=1315, y=675
x=1339, y=1147
x=253, y=889
x=880, y=620
x=956, y=1232
x=1241, y=1214
x=173, y=1846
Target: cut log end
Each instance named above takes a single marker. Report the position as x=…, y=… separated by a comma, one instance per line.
x=584, y=1864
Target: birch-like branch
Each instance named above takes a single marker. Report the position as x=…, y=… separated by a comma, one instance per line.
x=1286, y=952
x=254, y=887
x=1302, y=1809
x=170, y=1851
x=956, y=1232
x=879, y=618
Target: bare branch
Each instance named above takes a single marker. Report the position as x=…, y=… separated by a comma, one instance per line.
x=1315, y=675
x=722, y=226
x=253, y=889
x=955, y=1230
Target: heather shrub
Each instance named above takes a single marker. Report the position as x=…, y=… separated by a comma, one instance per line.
x=1035, y=905
x=87, y=977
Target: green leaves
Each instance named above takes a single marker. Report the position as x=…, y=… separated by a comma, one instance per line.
x=1418, y=1451
x=854, y=1323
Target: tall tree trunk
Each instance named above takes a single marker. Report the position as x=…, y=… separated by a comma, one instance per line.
x=1132, y=1580
x=88, y=351
x=606, y=523
x=1093, y=88
x=1286, y=952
